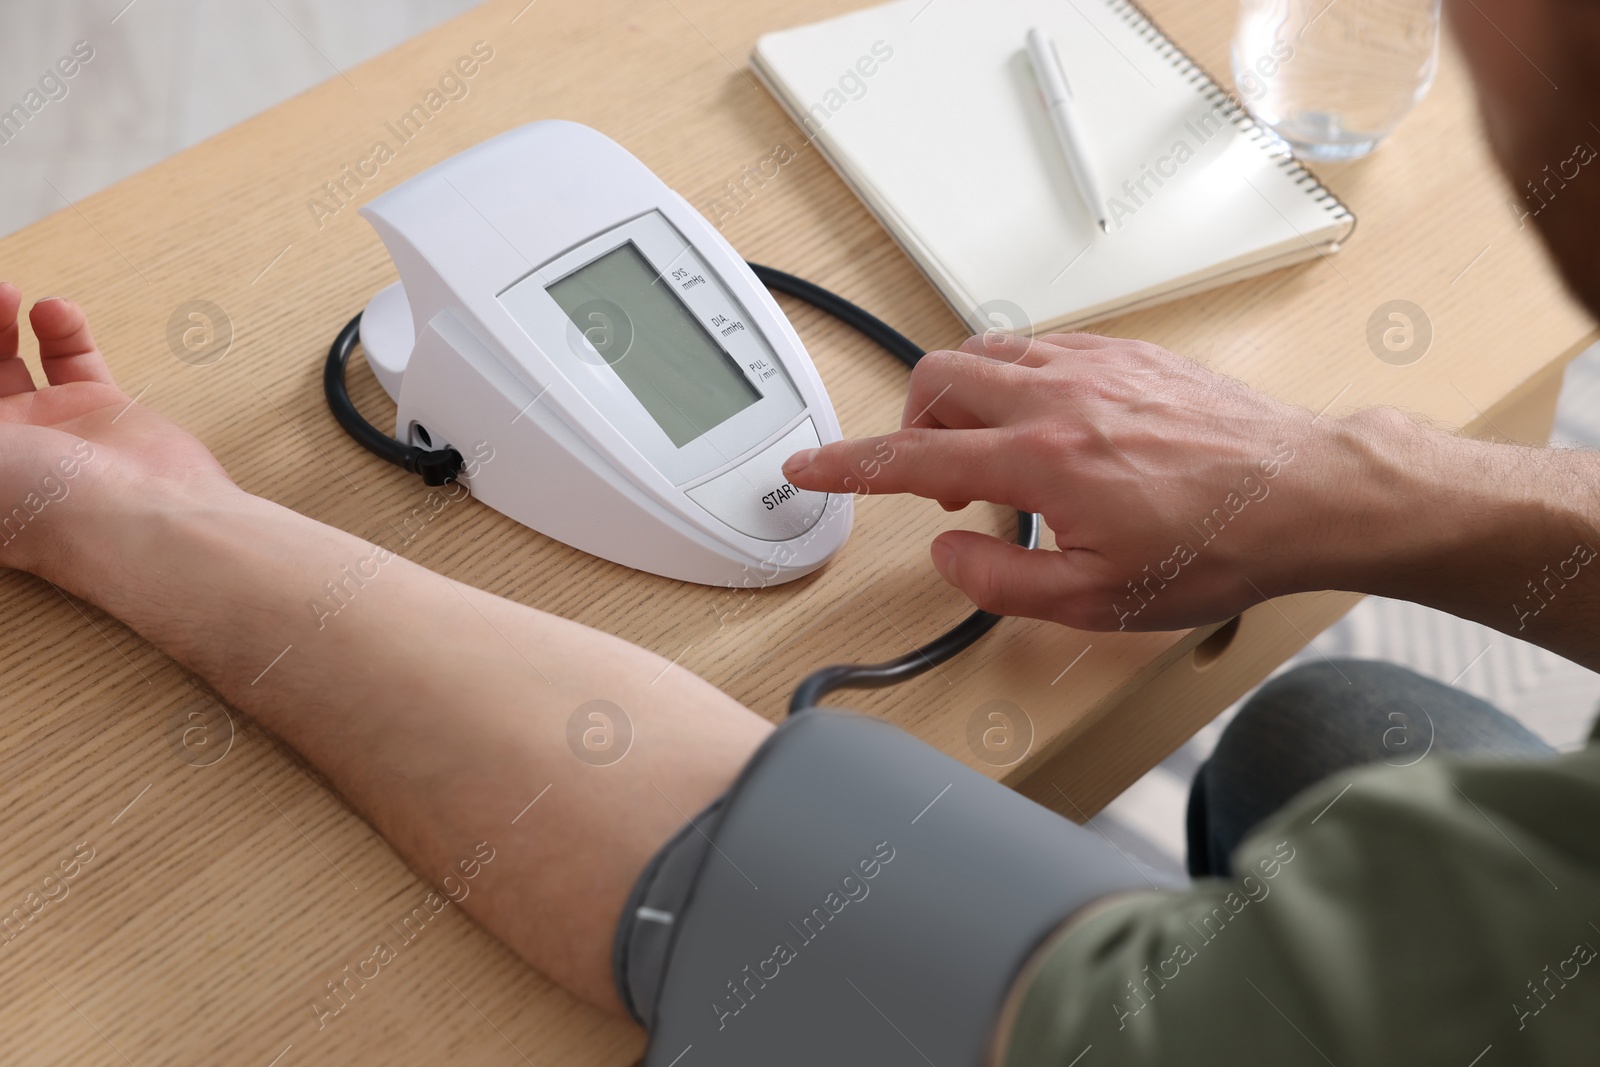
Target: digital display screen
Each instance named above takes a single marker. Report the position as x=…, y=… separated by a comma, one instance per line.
x=662, y=353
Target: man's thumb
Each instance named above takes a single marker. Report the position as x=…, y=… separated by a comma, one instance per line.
x=1003, y=577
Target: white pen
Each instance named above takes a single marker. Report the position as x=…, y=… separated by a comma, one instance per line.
x=1058, y=101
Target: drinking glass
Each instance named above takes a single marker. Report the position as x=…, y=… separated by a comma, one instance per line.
x=1334, y=77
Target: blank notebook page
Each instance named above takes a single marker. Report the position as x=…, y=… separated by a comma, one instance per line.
x=950, y=145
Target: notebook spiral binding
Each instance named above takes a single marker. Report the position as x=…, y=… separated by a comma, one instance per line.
x=1232, y=109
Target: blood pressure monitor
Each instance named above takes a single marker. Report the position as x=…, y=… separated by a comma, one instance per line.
x=615, y=374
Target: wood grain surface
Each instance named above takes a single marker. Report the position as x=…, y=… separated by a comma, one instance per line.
x=226, y=888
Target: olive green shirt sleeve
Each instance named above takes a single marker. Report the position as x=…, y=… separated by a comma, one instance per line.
x=1433, y=914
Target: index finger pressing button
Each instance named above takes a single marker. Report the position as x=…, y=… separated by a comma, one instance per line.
x=756, y=498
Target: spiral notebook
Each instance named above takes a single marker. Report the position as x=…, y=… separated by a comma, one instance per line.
x=929, y=110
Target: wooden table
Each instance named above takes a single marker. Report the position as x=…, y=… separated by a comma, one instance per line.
x=227, y=886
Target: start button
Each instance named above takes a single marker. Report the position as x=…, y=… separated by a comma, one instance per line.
x=756, y=499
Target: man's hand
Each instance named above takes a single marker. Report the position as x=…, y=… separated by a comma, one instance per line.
x=1177, y=497
x=81, y=437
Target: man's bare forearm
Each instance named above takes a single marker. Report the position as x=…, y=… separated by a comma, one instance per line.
x=438, y=710
x=1504, y=535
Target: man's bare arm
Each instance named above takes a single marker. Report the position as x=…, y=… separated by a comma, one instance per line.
x=1179, y=497
x=439, y=711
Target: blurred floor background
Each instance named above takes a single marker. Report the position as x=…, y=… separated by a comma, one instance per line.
x=169, y=73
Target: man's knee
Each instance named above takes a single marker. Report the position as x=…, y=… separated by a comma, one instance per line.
x=1312, y=717
x=1360, y=710
x=1323, y=717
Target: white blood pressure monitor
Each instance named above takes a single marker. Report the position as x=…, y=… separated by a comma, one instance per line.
x=638, y=387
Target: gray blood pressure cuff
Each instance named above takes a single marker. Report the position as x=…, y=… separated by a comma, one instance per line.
x=856, y=897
